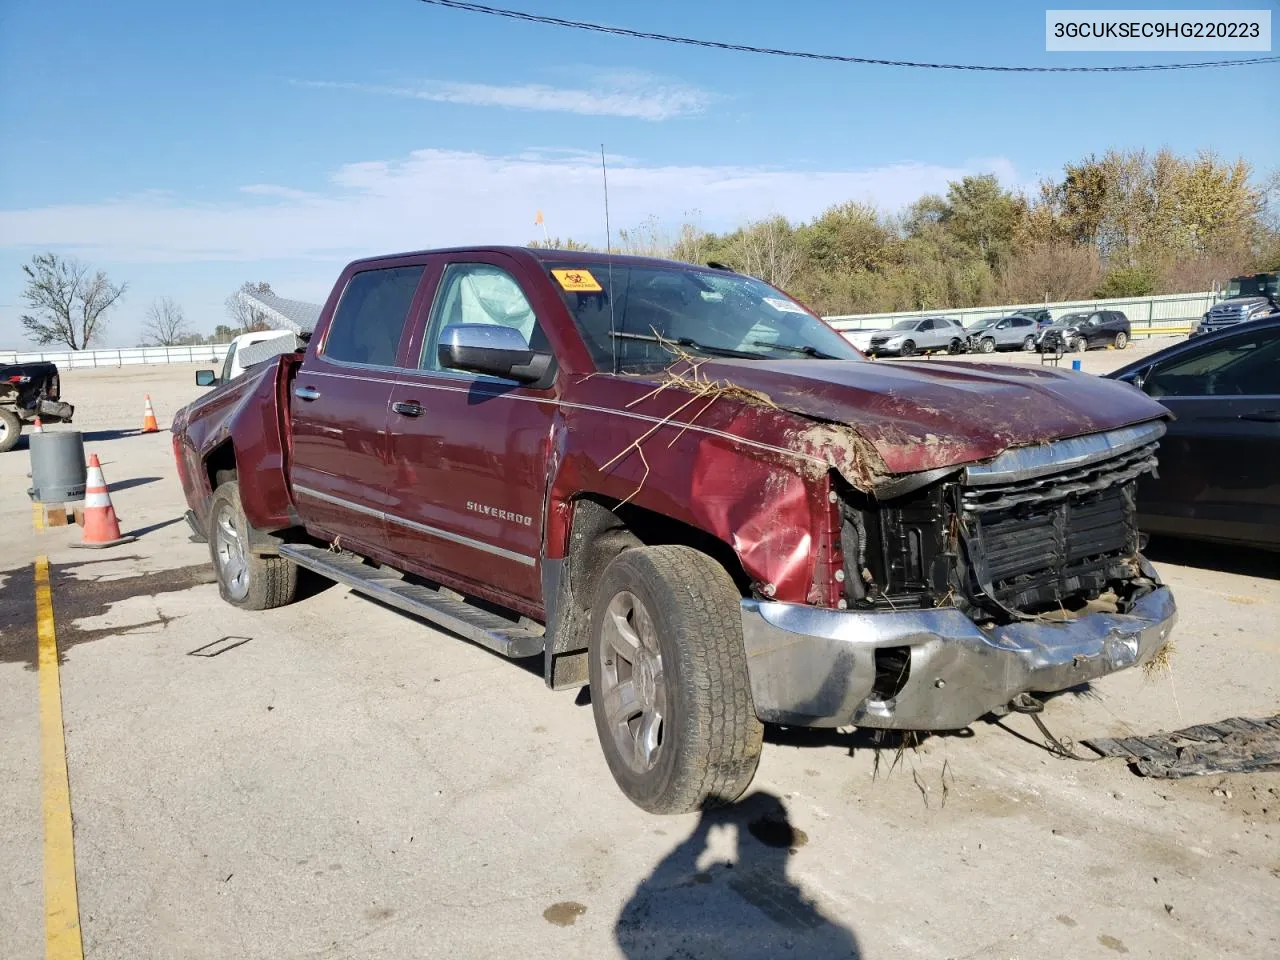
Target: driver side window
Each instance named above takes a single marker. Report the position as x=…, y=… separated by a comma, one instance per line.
x=1243, y=366
x=478, y=293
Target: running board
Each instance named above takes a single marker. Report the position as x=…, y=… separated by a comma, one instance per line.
x=507, y=637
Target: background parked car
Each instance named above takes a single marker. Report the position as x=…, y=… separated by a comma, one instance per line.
x=920, y=334
x=1101, y=328
x=1007, y=333
x=1219, y=474
x=233, y=365
x=1041, y=316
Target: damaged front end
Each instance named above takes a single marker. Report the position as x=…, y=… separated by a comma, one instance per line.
x=983, y=582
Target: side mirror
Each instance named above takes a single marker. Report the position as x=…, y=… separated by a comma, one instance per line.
x=1137, y=378
x=491, y=349
x=206, y=378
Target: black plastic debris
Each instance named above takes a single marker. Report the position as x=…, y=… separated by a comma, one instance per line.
x=1238, y=745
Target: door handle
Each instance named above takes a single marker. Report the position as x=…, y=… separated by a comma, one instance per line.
x=1265, y=416
x=408, y=408
x=306, y=393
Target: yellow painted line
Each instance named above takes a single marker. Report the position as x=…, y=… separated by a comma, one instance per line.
x=37, y=516
x=61, y=905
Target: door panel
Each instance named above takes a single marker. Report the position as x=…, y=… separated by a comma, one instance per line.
x=1219, y=469
x=1220, y=459
x=469, y=471
x=339, y=452
x=339, y=406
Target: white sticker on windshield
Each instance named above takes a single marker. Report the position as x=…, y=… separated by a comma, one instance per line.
x=785, y=306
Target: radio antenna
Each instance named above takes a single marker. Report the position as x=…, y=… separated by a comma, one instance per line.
x=608, y=249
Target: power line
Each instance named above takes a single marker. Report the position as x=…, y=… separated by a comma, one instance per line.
x=834, y=57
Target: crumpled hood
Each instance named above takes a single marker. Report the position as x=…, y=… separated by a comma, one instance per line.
x=933, y=414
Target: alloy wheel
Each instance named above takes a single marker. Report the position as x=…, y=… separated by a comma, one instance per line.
x=634, y=694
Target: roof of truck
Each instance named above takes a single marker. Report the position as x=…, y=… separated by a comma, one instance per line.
x=538, y=253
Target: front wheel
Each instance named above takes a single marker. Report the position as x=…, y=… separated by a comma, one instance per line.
x=1122, y=340
x=10, y=430
x=908, y=348
x=245, y=579
x=1077, y=344
x=988, y=345
x=669, y=685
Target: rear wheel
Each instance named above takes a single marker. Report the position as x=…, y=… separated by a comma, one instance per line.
x=988, y=345
x=669, y=686
x=1029, y=344
x=908, y=348
x=1122, y=340
x=10, y=430
x=245, y=579
x=955, y=346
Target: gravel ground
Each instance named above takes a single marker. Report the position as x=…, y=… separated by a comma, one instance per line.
x=350, y=782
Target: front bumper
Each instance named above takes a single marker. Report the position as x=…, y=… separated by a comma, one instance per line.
x=816, y=667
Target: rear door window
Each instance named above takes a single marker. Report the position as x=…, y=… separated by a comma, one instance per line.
x=370, y=318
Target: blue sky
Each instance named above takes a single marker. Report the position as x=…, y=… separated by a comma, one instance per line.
x=188, y=147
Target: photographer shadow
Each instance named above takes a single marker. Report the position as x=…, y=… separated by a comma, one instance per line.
x=744, y=906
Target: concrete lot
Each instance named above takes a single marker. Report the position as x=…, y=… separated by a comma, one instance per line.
x=350, y=782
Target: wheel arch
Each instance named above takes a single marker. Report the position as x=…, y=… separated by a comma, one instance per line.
x=600, y=528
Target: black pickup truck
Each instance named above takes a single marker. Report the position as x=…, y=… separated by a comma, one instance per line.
x=27, y=391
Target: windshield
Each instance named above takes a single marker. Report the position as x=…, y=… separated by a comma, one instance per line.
x=905, y=325
x=981, y=324
x=1262, y=285
x=628, y=309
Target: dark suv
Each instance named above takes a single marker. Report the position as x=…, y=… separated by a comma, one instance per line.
x=1101, y=328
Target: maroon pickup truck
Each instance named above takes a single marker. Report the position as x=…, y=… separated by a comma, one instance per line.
x=679, y=486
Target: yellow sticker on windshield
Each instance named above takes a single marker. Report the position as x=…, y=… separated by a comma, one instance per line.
x=577, y=281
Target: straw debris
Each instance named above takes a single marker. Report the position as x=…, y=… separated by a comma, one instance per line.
x=684, y=374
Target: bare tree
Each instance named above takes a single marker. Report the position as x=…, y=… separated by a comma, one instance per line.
x=1057, y=271
x=67, y=301
x=165, y=323
x=247, y=317
x=767, y=249
x=647, y=240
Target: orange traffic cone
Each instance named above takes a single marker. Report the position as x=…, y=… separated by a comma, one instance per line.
x=149, y=424
x=101, y=528
x=37, y=427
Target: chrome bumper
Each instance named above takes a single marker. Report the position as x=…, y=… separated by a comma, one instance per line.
x=815, y=667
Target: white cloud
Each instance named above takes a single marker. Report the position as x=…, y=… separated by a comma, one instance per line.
x=617, y=94
x=440, y=197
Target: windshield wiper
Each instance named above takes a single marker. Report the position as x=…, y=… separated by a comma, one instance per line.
x=686, y=342
x=806, y=349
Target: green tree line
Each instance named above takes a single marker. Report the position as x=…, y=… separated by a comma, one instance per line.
x=1124, y=224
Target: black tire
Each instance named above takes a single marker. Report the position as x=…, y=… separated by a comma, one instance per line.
x=707, y=743
x=988, y=345
x=955, y=346
x=10, y=430
x=908, y=348
x=267, y=581
x=1029, y=344
x=1121, y=340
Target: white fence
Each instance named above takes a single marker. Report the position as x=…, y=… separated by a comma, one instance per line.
x=1169, y=310
x=212, y=354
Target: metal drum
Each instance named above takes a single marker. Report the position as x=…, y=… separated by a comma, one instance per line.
x=58, y=470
